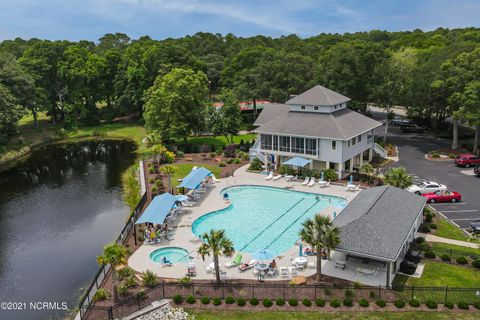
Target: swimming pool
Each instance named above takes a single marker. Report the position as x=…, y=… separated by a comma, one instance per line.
x=173, y=254
x=264, y=217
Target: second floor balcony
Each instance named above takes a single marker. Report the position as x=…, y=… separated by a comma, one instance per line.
x=288, y=144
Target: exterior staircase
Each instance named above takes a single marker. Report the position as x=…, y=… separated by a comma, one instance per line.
x=254, y=152
x=380, y=151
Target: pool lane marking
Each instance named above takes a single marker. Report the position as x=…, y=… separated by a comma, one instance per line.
x=258, y=235
x=317, y=201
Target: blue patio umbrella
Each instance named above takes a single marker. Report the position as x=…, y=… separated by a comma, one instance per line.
x=322, y=177
x=300, y=249
x=181, y=197
x=297, y=161
x=264, y=254
x=334, y=214
x=351, y=179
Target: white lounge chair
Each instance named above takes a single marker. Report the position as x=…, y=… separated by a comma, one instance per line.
x=306, y=181
x=223, y=275
x=311, y=183
x=293, y=271
x=210, y=268
x=272, y=272
x=284, y=272
x=277, y=177
x=270, y=176
x=235, y=262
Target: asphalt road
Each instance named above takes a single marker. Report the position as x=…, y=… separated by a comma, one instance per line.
x=412, y=149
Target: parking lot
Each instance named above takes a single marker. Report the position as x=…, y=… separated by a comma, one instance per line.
x=412, y=149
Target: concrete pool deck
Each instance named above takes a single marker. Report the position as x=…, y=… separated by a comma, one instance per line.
x=211, y=201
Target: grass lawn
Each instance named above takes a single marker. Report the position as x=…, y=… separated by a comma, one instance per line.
x=465, y=250
x=130, y=130
x=447, y=230
x=239, y=315
x=440, y=274
x=184, y=168
x=218, y=141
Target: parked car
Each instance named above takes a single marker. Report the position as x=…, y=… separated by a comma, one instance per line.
x=398, y=121
x=427, y=187
x=411, y=128
x=467, y=160
x=475, y=226
x=476, y=170
x=443, y=196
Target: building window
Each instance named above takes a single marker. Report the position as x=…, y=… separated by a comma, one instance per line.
x=359, y=138
x=297, y=145
x=348, y=143
x=311, y=146
x=302, y=107
x=334, y=145
x=284, y=143
x=315, y=108
x=335, y=107
x=275, y=143
x=354, y=140
x=266, y=141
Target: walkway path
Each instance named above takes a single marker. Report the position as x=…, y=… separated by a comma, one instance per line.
x=432, y=238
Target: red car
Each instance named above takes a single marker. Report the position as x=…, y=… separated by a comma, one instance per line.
x=443, y=196
x=467, y=160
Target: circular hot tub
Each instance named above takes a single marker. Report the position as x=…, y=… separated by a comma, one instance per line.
x=171, y=254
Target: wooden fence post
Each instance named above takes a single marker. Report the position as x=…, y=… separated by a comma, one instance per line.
x=446, y=294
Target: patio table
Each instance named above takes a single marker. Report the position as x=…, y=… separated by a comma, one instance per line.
x=351, y=186
x=262, y=267
x=301, y=260
x=322, y=183
x=288, y=177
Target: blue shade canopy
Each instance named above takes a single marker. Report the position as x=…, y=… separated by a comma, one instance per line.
x=158, y=209
x=181, y=197
x=297, y=161
x=194, y=178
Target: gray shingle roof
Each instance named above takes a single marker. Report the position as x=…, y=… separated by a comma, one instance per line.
x=377, y=221
x=277, y=118
x=318, y=96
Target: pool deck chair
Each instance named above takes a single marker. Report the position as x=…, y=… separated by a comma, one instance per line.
x=284, y=272
x=306, y=181
x=277, y=177
x=270, y=176
x=311, y=183
x=223, y=275
x=237, y=261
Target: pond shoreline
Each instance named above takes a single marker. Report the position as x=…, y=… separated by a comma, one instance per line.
x=23, y=156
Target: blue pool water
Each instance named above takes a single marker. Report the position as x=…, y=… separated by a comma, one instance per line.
x=173, y=254
x=265, y=217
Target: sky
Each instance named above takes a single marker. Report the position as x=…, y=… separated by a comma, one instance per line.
x=160, y=19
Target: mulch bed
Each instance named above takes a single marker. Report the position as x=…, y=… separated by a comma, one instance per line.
x=314, y=308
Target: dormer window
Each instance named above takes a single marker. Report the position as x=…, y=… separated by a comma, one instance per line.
x=302, y=107
x=335, y=107
x=315, y=108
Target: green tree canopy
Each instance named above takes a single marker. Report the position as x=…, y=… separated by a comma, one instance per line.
x=175, y=104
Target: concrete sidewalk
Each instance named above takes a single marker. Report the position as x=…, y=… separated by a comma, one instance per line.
x=432, y=238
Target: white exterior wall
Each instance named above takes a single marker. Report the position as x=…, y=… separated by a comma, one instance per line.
x=327, y=154
x=359, y=147
x=321, y=109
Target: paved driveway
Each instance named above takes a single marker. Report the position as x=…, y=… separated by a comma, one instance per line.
x=412, y=149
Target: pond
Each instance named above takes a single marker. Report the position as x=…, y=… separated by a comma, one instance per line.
x=57, y=210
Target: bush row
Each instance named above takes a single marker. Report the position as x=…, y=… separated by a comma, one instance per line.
x=335, y=303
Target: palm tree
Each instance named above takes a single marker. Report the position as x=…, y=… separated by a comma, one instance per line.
x=320, y=233
x=114, y=254
x=169, y=170
x=216, y=243
x=398, y=177
x=367, y=170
